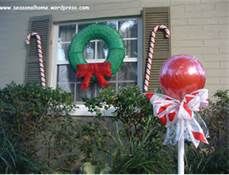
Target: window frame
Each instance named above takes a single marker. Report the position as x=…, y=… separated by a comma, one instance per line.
x=81, y=109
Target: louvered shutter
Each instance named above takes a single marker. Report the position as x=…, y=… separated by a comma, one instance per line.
x=41, y=25
x=151, y=18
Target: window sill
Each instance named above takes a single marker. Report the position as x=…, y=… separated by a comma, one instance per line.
x=82, y=110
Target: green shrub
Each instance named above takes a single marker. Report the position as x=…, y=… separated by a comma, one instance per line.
x=212, y=158
x=135, y=136
x=24, y=110
x=38, y=136
x=134, y=152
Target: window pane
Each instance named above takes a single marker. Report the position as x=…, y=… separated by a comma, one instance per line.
x=128, y=28
x=97, y=89
x=81, y=94
x=68, y=87
x=65, y=48
x=112, y=85
x=67, y=32
x=128, y=71
x=131, y=48
x=89, y=51
x=102, y=50
x=62, y=51
x=65, y=74
x=82, y=26
x=113, y=78
x=112, y=23
x=120, y=85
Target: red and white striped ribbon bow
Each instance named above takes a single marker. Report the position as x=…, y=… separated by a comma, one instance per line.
x=173, y=112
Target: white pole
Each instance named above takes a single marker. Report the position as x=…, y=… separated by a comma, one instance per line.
x=181, y=150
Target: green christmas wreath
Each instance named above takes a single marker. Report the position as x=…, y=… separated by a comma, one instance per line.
x=111, y=37
x=116, y=53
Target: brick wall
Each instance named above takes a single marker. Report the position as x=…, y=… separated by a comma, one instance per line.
x=201, y=28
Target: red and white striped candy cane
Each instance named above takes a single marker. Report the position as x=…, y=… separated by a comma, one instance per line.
x=40, y=55
x=151, y=51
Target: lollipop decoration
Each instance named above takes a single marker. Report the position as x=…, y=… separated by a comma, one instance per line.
x=181, y=75
x=40, y=55
x=182, y=78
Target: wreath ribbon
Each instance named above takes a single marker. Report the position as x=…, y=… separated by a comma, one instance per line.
x=172, y=112
x=100, y=70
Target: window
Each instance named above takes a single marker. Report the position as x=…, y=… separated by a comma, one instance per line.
x=96, y=51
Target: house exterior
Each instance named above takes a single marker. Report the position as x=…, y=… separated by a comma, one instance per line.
x=198, y=27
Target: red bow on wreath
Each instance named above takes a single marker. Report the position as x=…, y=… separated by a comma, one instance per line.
x=99, y=70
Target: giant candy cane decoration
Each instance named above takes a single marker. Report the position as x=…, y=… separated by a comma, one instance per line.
x=40, y=55
x=151, y=51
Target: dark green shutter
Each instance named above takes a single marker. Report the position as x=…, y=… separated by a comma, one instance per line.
x=41, y=25
x=152, y=17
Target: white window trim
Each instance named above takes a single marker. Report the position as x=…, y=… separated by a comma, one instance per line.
x=53, y=60
x=81, y=109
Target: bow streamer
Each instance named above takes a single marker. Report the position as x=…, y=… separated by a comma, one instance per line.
x=99, y=70
x=173, y=112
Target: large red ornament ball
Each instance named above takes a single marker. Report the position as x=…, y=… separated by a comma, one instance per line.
x=181, y=75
